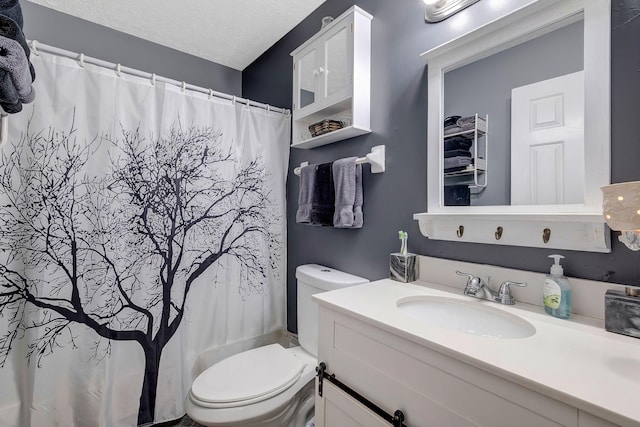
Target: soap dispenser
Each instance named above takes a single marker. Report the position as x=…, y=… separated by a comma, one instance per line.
x=556, y=291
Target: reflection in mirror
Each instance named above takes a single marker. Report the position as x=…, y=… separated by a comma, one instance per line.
x=306, y=78
x=532, y=98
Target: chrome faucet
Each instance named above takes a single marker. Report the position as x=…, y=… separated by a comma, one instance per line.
x=478, y=288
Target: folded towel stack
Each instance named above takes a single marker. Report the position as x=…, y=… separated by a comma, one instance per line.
x=16, y=72
x=331, y=194
x=457, y=154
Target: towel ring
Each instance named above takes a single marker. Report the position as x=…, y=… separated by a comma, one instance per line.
x=183, y=87
x=153, y=79
x=118, y=70
x=81, y=60
x=34, y=48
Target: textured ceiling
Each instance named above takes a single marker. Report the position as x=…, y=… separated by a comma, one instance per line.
x=230, y=32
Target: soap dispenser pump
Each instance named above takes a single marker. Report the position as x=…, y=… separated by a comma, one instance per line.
x=557, y=291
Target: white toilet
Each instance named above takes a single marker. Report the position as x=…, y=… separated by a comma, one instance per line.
x=269, y=386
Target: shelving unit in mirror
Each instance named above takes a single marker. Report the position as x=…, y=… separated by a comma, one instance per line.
x=465, y=149
x=332, y=82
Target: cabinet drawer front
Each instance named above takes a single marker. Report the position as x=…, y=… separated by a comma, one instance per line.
x=428, y=394
x=338, y=409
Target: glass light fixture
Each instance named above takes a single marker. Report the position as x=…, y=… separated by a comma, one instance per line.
x=438, y=10
x=621, y=209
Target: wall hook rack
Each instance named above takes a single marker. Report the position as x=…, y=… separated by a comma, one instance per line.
x=376, y=158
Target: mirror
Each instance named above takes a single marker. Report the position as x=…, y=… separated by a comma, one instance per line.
x=511, y=81
x=530, y=99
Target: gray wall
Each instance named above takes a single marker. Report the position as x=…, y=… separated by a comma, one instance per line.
x=485, y=87
x=67, y=32
x=398, y=117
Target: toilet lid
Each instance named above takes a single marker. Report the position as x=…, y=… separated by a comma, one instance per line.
x=248, y=377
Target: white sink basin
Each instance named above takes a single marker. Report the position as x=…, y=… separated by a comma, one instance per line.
x=465, y=316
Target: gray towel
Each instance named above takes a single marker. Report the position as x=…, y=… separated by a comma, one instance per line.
x=453, y=164
x=344, y=180
x=11, y=9
x=11, y=30
x=9, y=99
x=305, y=193
x=15, y=63
x=357, y=204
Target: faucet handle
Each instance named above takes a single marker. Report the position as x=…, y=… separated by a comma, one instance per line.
x=474, y=283
x=504, y=293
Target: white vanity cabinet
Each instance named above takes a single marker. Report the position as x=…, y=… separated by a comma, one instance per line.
x=431, y=388
x=331, y=80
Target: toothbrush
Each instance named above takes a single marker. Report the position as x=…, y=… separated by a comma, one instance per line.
x=403, y=235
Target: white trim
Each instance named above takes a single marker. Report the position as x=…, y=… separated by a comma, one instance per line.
x=523, y=24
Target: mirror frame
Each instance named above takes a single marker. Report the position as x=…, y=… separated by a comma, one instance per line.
x=575, y=227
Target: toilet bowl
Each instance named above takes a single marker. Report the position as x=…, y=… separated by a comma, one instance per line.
x=269, y=386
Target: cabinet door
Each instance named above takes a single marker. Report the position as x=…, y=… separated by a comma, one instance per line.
x=337, y=68
x=337, y=408
x=306, y=78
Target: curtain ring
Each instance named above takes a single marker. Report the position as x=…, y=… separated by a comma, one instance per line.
x=233, y=100
x=119, y=70
x=81, y=60
x=268, y=108
x=248, y=105
x=153, y=79
x=210, y=93
x=183, y=87
x=34, y=48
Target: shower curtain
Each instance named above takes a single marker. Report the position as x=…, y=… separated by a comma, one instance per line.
x=140, y=227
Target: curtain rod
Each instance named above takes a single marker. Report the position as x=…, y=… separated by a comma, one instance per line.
x=37, y=47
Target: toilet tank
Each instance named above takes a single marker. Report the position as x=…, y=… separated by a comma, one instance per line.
x=313, y=279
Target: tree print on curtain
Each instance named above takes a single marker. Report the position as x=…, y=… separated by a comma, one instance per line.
x=120, y=253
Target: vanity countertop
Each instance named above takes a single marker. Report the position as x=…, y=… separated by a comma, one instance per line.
x=574, y=361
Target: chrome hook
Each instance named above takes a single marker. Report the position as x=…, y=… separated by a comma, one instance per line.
x=460, y=231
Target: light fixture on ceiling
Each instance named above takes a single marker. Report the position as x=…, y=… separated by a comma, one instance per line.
x=621, y=208
x=438, y=10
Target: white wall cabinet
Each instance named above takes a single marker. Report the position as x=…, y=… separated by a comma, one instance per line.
x=429, y=387
x=332, y=80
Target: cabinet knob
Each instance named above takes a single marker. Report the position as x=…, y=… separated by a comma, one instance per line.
x=319, y=71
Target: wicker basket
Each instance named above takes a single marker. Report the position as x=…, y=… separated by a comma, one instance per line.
x=325, y=126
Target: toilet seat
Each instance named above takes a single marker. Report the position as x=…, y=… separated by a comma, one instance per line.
x=248, y=377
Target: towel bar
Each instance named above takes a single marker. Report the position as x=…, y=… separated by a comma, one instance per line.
x=376, y=158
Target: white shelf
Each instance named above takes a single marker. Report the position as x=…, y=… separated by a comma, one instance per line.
x=572, y=231
x=328, y=138
x=470, y=170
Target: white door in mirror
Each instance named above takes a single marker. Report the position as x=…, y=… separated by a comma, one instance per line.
x=547, y=142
